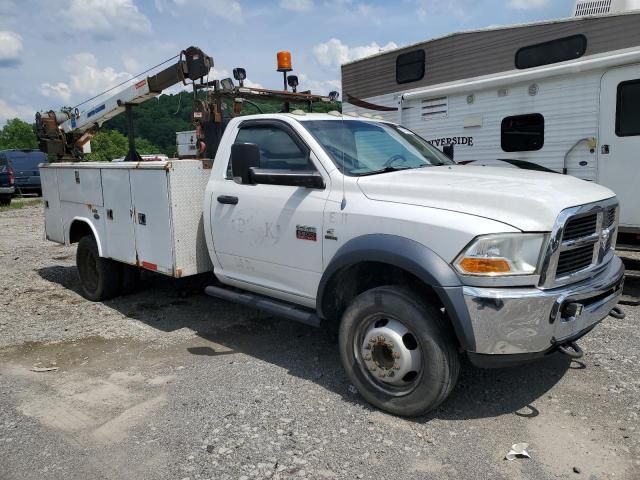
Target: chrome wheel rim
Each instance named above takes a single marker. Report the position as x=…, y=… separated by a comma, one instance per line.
x=389, y=354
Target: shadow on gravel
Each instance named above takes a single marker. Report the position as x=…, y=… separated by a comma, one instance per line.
x=168, y=305
x=484, y=393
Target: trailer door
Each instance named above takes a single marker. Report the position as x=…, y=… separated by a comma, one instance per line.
x=619, y=157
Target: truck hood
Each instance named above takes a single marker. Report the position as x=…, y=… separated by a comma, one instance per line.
x=525, y=199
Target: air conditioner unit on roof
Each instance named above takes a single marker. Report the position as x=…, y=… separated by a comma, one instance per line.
x=600, y=7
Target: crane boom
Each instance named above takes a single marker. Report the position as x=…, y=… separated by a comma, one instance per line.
x=64, y=133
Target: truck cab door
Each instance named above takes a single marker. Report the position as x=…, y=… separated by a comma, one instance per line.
x=270, y=236
x=618, y=162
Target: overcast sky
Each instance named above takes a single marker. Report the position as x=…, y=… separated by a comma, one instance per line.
x=60, y=52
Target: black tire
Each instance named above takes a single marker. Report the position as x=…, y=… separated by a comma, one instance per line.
x=100, y=278
x=430, y=336
x=5, y=201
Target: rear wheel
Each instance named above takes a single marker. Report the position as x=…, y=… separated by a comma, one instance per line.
x=398, y=351
x=100, y=278
x=5, y=201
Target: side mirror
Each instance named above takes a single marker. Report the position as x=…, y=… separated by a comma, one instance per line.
x=448, y=151
x=244, y=156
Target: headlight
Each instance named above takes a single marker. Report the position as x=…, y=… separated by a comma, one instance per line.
x=502, y=254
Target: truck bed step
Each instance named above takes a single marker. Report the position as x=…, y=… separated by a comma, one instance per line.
x=275, y=307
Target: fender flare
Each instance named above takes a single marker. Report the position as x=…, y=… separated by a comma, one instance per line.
x=413, y=257
x=91, y=226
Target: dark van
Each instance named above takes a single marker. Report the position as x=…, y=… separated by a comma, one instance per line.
x=6, y=183
x=24, y=164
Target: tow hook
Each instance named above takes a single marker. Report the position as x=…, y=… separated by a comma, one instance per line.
x=616, y=312
x=571, y=349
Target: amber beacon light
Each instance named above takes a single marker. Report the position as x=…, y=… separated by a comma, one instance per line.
x=284, y=62
x=284, y=65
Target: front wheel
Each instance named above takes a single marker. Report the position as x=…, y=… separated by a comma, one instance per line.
x=399, y=351
x=100, y=278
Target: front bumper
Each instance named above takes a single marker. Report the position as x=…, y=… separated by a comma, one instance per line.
x=508, y=323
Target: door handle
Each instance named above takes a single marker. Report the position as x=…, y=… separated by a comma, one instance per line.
x=228, y=200
x=606, y=150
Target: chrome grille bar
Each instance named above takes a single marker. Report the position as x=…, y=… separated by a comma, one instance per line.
x=568, y=258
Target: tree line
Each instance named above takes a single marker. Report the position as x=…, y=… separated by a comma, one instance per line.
x=155, y=125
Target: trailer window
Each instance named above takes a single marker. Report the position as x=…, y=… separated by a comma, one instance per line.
x=523, y=133
x=560, y=50
x=410, y=66
x=628, y=109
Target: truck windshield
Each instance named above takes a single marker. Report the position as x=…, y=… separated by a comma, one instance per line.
x=359, y=148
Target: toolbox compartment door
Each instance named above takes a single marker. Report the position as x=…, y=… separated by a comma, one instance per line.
x=80, y=185
x=118, y=211
x=152, y=219
x=52, y=212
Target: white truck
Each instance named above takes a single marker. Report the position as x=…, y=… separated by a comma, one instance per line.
x=560, y=96
x=359, y=225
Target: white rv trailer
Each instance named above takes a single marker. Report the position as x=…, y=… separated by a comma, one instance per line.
x=561, y=95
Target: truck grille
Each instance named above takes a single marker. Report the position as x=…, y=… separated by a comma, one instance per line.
x=611, y=215
x=574, y=260
x=579, y=227
x=582, y=241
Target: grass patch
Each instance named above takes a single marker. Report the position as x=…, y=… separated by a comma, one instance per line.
x=17, y=204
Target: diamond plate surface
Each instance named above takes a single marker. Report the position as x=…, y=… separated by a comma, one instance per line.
x=187, y=183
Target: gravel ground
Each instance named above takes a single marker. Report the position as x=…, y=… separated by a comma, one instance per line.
x=167, y=383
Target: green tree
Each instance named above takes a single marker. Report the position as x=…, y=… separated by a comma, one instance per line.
x=144, y=146
x=17, y=134
x=110, y=144
x=107, y=145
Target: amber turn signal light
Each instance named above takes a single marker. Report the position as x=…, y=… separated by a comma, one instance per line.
x=485, y=265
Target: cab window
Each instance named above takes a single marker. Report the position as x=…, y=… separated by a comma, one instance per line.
x=278, y=149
